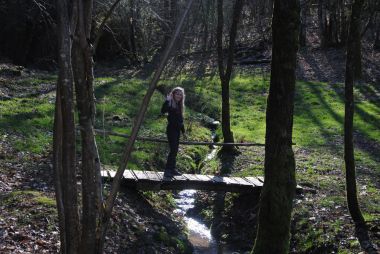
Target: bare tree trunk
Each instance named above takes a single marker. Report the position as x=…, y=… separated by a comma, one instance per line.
x=322, y=22
x=101, y=26
x=66, y=124
x=57, y=167
x=343, y=23
x=353, y=73
x=225, y=74
x=276, y=199
x=106, y=215
x=376, y=45
x=303, y=25
x=83, y=75
x=334, y=24
x=206, y=18
x=132, y=30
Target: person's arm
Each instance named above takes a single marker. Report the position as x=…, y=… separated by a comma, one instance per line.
x=165, y=107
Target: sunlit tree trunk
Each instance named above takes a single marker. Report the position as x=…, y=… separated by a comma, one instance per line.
x=276, y=199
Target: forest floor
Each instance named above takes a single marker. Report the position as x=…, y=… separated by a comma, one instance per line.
x=144, y=223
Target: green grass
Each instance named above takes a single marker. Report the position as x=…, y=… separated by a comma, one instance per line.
x=318, y=133
x=318, y=118
x=318, y=112
x=30, y=120
x=29, y=196
x=121, y=99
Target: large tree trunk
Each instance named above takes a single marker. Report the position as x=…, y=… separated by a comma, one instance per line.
x=225, y=74
x=353, y=73
x=64, y=159
x=273, y=233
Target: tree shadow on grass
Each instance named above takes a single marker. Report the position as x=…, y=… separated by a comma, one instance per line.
x=334, y=141
x=301, y=106
x=363, y=141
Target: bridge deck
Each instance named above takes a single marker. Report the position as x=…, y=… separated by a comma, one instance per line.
x=151, y=180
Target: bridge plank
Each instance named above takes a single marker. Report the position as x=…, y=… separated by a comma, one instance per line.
x=241, y=181
x=219, y=179
x=230, y=180
x=254, y=181
x=153, y=180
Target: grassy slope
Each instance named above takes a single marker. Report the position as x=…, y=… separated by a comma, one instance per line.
x=318, y=131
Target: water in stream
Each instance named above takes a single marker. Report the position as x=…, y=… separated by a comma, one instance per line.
x=199, y=235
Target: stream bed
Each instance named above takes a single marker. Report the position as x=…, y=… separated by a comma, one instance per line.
x=199, y=234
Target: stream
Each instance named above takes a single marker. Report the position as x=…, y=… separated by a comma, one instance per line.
x=199, y=234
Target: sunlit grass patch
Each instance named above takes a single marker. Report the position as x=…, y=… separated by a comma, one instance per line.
x=29, y=196
x=29, y=121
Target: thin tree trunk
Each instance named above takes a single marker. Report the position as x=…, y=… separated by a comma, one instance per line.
x=83, y=75
x=100, y=28
x=206, y=18
x=225, y=75
x=334, y=25
x=132, y=30
x=303, y=24
x=65, y=85
x=322, y=22
x=276, y=199
x=353, y=73
x=57, y=167
x=135, y=129
x=377, y=39
x=343, y=23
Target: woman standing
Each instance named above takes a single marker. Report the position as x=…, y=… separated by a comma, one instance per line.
x=174, y=106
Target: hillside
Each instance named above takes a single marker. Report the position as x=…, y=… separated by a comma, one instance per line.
x=144, y=221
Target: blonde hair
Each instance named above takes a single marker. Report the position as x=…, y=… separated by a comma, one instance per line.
x=181, y=103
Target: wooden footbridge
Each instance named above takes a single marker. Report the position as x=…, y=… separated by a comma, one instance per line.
x=152, y=180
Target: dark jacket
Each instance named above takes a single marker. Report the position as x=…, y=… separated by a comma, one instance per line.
x=175, y=119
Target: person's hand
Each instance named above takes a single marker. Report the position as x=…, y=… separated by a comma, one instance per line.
x=168, y=97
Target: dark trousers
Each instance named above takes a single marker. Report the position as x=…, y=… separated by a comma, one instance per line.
x=173, y=138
